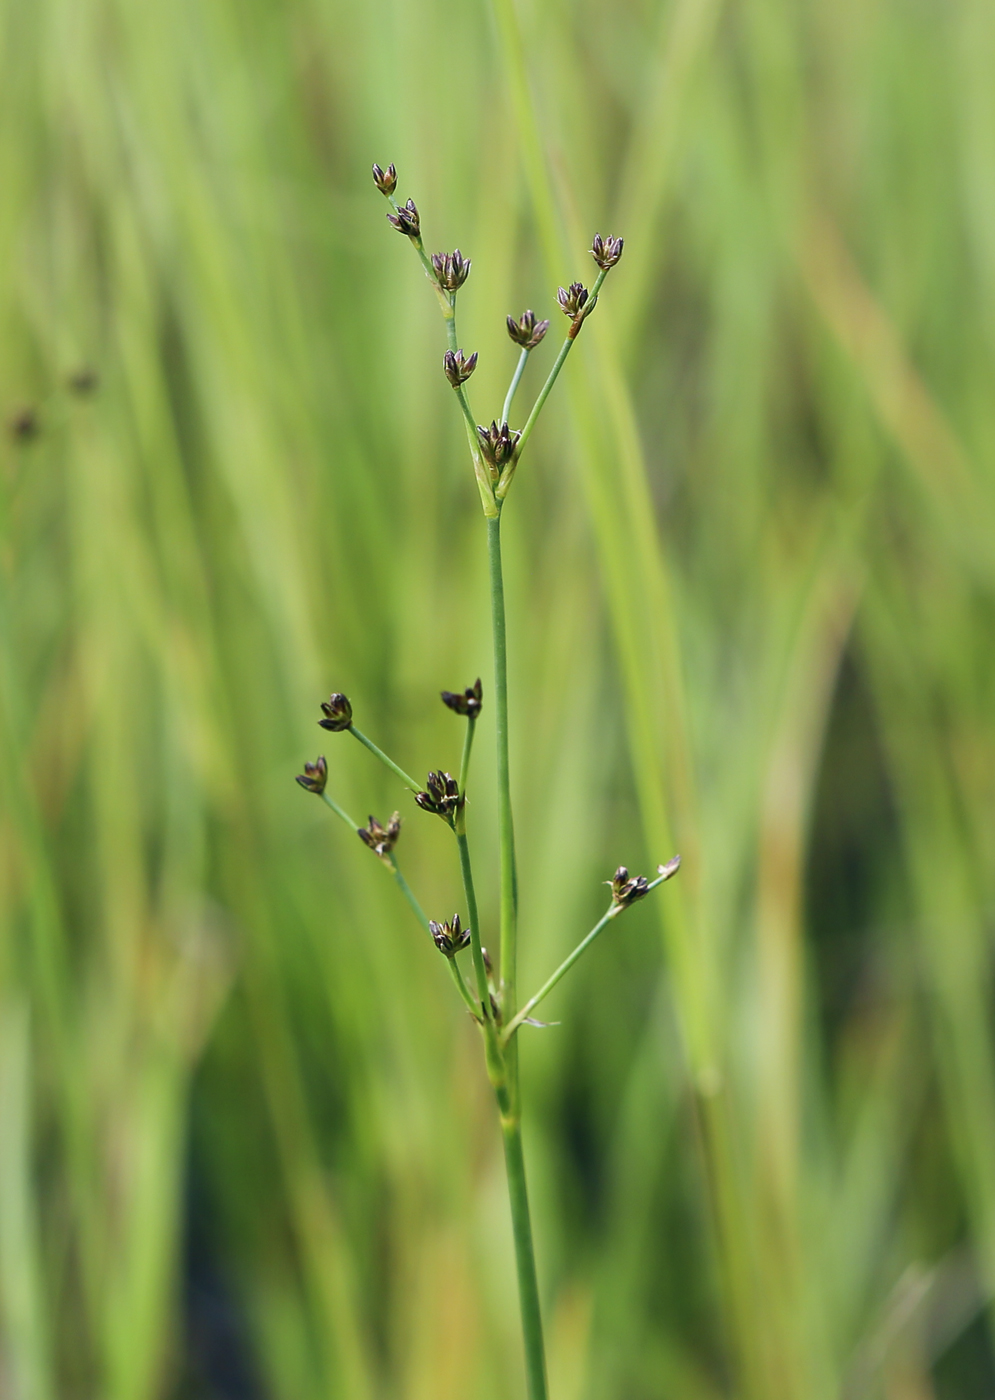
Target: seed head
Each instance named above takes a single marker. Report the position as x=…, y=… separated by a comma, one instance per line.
x=466, y=702
x=337, y=712
x=385, y=180
x=497, y=444
x=572, y=299
x=671, y=868
x=379, y=839
x=606, y=251
x=315, y=776
x=458, y=369
x=527, y=332
x=626, y=891
x=451, y=269
x=450, y=937
x=441, y=796
x=406, y=220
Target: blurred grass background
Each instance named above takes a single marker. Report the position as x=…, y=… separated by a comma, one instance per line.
x=246, y=1146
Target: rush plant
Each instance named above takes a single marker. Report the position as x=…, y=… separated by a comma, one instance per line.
x=489, y=991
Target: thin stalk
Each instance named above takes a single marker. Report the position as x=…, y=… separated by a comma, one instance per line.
x=551, y=380
x=408, y=893
x=480, y=971
x=406, y=778
x=528, y=1283
x=519, y=370
x=339, y=811
x=509, y=876
x=464, y=767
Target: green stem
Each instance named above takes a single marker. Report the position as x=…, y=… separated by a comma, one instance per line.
x=464, y=767
x=480, y=971
x=519, y=369
x=551, y=380
x=528, y=1283
x=339, y=811
x=509, y=877
x=406, y=778
x=406, y=890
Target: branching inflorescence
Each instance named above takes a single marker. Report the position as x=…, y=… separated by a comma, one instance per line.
x=495, y=451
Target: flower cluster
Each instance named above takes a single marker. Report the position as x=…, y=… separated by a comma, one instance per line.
x=451, y=270
x=458, y=369
x=441, y=796
x=381, y=840
x=497, y=444
x=606, y=251
x=526, y=331
x=406, y=220
x=467, y=702
x=626, y=891
x=315, y=776
x=337, y=712
x=449, y=938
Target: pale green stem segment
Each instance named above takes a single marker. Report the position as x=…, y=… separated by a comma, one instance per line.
x=405, y=778
x=568, y=963
x=339, y=811
x=464, y=768
x=519, y=371
x=544, y=392
x=509, y=876
x=480, y=971
x=528, y=1283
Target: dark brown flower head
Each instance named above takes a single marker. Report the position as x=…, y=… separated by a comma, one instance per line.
x=606, y=251
x=572, y=299
x=527, y=332
x=385, y=180
x=381, y=840
x=337, y=712
x=83, y=381
x=497, y=443
x=315, y=776
x=25, y=425
x=451, y=269
x=441, y=796
x=626, y=891
x=406, y=220
x=458, y=369
x=466, y=702
x=449, y=938
x=670, y=869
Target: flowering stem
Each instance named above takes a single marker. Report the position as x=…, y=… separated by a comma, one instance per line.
x=557, y=366
x=464, y=767
x=509, y=876
x=339, y=811
x=528, y=1283
x=519, y=370
x=405, y=778
x=466, y=870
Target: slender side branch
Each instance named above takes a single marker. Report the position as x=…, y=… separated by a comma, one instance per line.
x=405, y=778
x=464, y=768
x=519, y=371
x=480, y=971
x=339, y=811
x=509, y=875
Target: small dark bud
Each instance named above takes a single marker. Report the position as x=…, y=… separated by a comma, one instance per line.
x=381, y=840
x=497, y=444
x=449, y=938
x=83, y=382
x=451, y=269
x=406, y=220
x=441, y=796
x=572, y=299
x=385, y=180
x=488, y=964
x=467, y=702
x=671, y=868
x=527, y=332
x=606, y=251
x=458, y=369
x=315, y=776
x=25, y=425
x=337, y=712
x=626, y=891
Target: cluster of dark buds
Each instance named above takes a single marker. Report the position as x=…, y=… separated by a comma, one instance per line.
x=606, y=251
x=497, y=444
x=441, y=796
x=451, y=270
x=527, y=332
x=572, y=299
x=458, y=369
x=379, y=839
x=467, y=702
x=315, y=776
x=626, y=891
x=449, y=938
x=385, y=180
x=406, y=220
x=337, y=712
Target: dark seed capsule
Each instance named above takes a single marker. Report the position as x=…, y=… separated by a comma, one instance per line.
x=497, y=444
x=337, y=712
x=458, y=369
x=449, y=937
x=467, y=702
x=441, y=796
x=451, y=270
x=606, y=251
x=626, y=891
x=381, y=840
x=527, y=332
x=315, y=776
x=406, y=220
x=385, y=180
